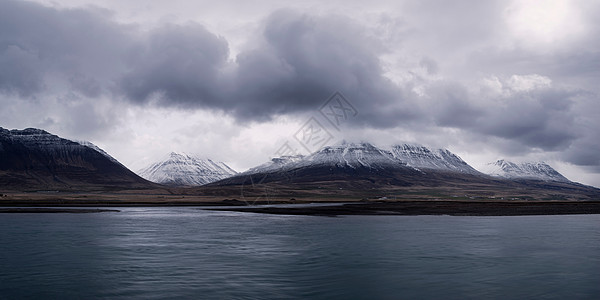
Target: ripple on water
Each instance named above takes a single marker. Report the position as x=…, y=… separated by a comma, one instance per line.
x=155, y=253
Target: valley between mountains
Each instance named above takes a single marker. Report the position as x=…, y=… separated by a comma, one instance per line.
x=38, y=168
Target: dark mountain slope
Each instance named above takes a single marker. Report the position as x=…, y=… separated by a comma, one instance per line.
x=34, y=159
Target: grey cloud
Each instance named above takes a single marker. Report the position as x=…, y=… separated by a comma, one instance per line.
x=449, y=105
x=450, y=27
x=297, y=62
x=541, y=117
x=430, y=65
x=585, y=151
x=85, y=84
x=574, y=60
x=536, y=119
x=583, y=154
x=38, y=41
x=180, y=64
x=473, y=38
x=579, y=67
x=18, y=72
x=302, y=59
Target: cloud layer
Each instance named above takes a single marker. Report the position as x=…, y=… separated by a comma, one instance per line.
x=460, y=70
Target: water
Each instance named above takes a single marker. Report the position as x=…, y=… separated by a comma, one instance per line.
x=157, y=253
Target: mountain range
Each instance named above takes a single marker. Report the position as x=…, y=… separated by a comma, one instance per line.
x=404, y=171
x=406, y=157
x=33, y=159
x=347, y=160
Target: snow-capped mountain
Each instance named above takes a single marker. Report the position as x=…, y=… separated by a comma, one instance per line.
x=352, y=155
x=276, y=163
x=366, y=155
x=342, y=162
x=183, y=169
x=342, y=155
x=538, y=170
x=421, y=157
x=37, y=159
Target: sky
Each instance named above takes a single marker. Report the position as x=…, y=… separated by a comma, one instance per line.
x=244, y=81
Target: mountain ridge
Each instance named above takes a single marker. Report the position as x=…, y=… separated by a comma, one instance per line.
x=525, y=170
x=424, y=158
x=347, y=160
x=181, y=169
x=34, y=158
x=363, y=154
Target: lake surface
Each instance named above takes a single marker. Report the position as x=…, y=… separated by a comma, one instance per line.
x=157, y=253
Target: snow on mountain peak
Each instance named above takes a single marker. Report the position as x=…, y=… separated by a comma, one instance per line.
x=528, y=170
x=36, y=138
x=421, y=157
x=352, y=155
x=342, y=155
x=98, y=149
x=29, y=131
x=275, y=164
x=365, y=155
x=185, y=169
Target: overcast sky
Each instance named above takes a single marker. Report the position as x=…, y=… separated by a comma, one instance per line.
x=234, y=81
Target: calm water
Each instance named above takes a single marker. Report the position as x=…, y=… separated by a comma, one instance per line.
x=155, y=253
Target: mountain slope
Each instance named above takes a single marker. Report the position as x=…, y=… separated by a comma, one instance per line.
x=364, y=171
x=183, y=169
x=342, y=162
x=352, y=155
x=276, y=164
x=35, y=159
x=368, y=156
x=423, y=158
x=344, y=155
x=537, y=171
x=98, y=149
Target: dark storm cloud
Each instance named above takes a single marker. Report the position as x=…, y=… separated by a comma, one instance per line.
x=529, y=117
x=83, y=46
x=178, y=65
x=300, y=60
x=295, y=64
x=541, y=119
x=585, y=151
x=583, y=154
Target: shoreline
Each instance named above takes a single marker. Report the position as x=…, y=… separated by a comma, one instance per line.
x=415, y=208
x=46, y=210
x=326, y=208
x=135, y=203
